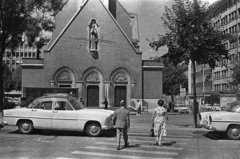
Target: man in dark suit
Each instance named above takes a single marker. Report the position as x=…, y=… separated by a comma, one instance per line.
x=121, y=122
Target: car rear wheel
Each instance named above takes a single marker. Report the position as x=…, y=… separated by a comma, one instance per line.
x=233, y=132
x=93, y=129
x=25, y=127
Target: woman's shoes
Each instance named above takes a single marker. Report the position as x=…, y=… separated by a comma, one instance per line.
x=157, y=144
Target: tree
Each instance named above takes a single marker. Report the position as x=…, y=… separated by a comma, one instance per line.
x=190, y=36
x=173, y=79
x=24, y=21
x=7, y=79
x=17, y=78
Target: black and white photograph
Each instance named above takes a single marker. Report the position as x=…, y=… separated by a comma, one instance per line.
x=120, y=79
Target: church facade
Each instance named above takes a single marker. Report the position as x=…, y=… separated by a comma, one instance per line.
x=94, y=51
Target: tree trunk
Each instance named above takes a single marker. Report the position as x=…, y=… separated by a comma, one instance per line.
x=195, y=105
x=1, y=81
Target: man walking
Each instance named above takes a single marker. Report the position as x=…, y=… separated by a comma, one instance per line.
x=121, y=122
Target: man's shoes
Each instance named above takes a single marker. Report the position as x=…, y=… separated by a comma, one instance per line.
x=118, y=148
x=126, y=145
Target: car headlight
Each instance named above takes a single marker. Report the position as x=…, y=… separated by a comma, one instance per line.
x=210, y=120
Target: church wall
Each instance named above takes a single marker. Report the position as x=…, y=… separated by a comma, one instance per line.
x=33, y=77
x=152, y=86
x=115, y=51
x=124, y=20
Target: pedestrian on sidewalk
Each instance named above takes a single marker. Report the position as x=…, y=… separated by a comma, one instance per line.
x=121, y=122
x=105, y=103
x=159, y=118
x=138, y=108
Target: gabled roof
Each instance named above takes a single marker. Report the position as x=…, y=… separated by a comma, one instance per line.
x=52, y=44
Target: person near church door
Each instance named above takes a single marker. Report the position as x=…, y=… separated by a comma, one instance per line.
x=159, y=118
x=121, y=121
x=105, y=103
x=138, y=108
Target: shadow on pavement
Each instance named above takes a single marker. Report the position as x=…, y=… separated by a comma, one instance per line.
x=213, y=135
x=107, y=133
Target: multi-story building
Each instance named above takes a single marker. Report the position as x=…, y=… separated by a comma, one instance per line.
x=213, y=86
x=14, y=59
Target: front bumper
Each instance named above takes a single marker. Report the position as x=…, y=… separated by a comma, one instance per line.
x=107, y=127
x=3, y=123
x=208, y=127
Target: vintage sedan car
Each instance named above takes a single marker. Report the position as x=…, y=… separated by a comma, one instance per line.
x=181, y=108
x=227, y=121
x=59, y=112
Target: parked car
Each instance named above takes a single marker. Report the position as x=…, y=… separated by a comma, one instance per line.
x=225, y=121
x=207, y=107
x=181, y=108
x=8, y=104
x=216, y=107
x=59, y=112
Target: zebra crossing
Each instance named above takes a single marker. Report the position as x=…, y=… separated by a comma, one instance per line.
x=141, y=147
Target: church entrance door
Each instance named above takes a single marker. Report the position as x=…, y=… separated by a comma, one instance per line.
x=120, y=94
x=93, y=96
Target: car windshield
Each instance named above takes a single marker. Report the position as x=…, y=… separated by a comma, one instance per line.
x=75, y=103
x=32, y=104
x=233, y=107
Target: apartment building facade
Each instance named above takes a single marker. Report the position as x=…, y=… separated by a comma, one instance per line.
x=213, y=85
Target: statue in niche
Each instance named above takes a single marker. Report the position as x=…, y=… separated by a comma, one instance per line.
x=93, y=77
x=120, y=77
x=93, y=35
x=64, y=76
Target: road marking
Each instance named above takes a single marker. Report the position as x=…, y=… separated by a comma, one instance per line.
x=114, y=155
x=164, y=138
x=147, y=135
x=147, y=141
x=137, y=151
x=145, y=146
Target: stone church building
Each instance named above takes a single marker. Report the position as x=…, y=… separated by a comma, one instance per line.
x=94, y=51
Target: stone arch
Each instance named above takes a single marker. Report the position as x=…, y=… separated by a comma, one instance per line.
x=90, y=70
x=92, y=80
x=121, y=85
x=65, y=74
x=119, y=70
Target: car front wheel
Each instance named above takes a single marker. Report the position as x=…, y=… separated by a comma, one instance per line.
x=233, y=132
x=93, y=129
x=25, y=127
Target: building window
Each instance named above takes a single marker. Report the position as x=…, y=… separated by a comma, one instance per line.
x=25, y=54
x=34, y=54
x=21, y=54
x=29, y=54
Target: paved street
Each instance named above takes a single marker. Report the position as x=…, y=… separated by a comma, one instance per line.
x=181, y=143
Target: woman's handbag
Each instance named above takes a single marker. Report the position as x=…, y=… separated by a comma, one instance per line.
x=151, y=133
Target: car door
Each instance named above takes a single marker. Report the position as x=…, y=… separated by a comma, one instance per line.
x=64, y=116
x=41, y=114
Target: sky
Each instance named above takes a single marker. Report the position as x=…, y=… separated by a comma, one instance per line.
x=150, y=24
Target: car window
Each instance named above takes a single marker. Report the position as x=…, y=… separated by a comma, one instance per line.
x=46, y=105
x=76, y=103
x=63, y=105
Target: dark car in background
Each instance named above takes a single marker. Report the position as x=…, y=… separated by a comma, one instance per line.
x=8, y=103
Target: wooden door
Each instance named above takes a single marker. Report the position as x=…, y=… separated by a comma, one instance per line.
x=120, y=94
x=93, y=96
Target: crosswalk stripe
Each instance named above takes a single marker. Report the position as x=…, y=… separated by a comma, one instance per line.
x=114, y=155
x=137, y=151
x=146, y=146
x=147, y=141
x=164, y=138
x=147, y=135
